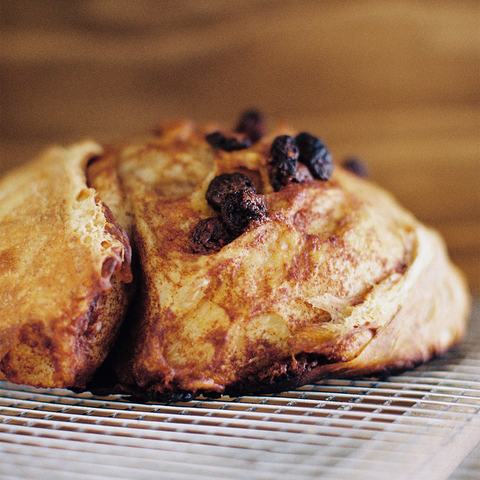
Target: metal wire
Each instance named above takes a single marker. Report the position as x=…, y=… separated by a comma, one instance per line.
x=421, y=424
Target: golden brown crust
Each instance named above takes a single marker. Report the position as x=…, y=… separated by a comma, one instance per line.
x=62, y=258
x=338, y=279
x=332, y=278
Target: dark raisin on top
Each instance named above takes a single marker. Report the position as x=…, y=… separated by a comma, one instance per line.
x=314, y=154
x=228, y=143
x=234, y=195
x=224, y=184
x=240, y=209
x=356, y=166
x=283, y=161
x=209, y=236
x=252, y=124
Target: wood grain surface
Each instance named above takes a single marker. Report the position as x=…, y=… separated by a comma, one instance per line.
x=394, y=82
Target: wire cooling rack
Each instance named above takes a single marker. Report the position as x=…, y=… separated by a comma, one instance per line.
x=423, y=424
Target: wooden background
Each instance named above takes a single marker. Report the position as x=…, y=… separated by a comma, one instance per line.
x=395, y=82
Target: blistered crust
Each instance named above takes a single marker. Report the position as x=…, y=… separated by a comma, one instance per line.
x=64, y=263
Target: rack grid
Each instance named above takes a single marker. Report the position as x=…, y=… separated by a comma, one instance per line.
x=422, y=424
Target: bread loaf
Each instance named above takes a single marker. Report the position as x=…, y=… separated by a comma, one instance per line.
x=262, y=265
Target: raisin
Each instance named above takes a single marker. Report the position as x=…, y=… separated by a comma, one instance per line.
x=240, y=209
x=209, y=236
x=356, y=166
x=229, y=144
x=314, y=154
x=283, y=161
x=252, y=124
x=224, y=184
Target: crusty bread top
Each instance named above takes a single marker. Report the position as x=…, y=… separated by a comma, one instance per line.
x=59, y=247
x=323, y=273
x=333, y=277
